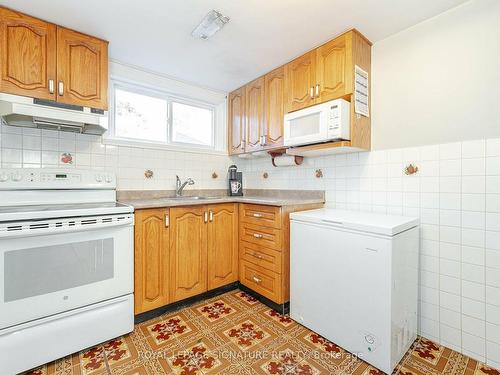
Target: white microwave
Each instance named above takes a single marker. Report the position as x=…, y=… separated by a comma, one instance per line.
x=319, y=123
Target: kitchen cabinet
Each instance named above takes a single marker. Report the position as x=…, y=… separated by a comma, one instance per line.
x=45, y=61
x=300, y=81
x=222, y=245
x=151, y=259
x=254, y=113
x=82, y=69
x=274, y=108
x=188, y=251
x=237, y=122
x=27, y=55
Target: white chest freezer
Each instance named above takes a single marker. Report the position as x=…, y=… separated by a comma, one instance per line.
x=354, y=280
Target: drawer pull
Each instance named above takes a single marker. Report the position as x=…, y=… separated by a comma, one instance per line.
x=258, y=235
x=257, y=215
x=257, y=255
x=256, y=279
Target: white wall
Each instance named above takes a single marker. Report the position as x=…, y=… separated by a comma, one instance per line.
x=439, y=81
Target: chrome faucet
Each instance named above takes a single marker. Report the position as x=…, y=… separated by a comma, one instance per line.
x=179, y=187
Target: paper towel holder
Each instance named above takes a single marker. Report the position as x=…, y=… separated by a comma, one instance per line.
x=277, y=153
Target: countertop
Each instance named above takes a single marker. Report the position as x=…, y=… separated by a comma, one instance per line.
x=146, y=199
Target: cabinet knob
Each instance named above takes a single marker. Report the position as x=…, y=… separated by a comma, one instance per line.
x=256, y=279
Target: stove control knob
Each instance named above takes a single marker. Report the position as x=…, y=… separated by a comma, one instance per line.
x=98, y=178
x=109, y=178
x=4, y=177
x=16, y=176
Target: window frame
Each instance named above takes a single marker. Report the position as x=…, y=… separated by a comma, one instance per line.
x=110, y=137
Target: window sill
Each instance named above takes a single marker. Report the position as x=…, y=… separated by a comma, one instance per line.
x=160, y=146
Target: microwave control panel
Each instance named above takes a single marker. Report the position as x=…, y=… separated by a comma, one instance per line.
x=333, y=118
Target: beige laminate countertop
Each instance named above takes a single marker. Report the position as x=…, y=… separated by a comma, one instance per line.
x=173, y=202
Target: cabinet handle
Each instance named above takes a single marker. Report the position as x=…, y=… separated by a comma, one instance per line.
x=60, y=88
x=167, y=220
x=211, y=216
x=206, y=217
x=257, y=215
x=257, y=255
x=317, y=90
x=258, y=235
x=51, y=86
x=256, y=279
x=311, y=92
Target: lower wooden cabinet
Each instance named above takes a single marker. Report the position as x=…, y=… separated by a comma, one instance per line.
x=188, y=251
x=151, y=273
x=222, y=245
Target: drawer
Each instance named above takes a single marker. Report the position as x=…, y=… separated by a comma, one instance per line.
x=268, y=216
x=261, y=236
x=261, y=256
x=262, y=281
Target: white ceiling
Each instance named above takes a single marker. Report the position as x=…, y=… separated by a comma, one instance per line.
x=262, y=34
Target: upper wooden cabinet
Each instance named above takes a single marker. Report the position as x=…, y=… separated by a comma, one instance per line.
x=300, y=78
x=151, y=271
x=254, y=111
x=274, y=102
x=28, y=55
x=188, y=251
x=236, y=116
x=82, y=69
x=41, y=60
x=222, y=245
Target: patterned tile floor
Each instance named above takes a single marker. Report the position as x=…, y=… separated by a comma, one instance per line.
x=235, y=334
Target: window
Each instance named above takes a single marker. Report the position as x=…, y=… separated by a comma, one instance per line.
x=147, y=116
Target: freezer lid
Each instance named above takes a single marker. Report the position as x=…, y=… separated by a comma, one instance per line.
x=388, y=225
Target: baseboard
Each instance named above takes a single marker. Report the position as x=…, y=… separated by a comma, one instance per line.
x=283, y=308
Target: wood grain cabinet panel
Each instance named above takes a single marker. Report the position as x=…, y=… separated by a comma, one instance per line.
x=274, y=107
x=222, y=245
x=334, y=69
x=151, y=272
x=27, y=55
x=237, y=122
x=262, y=281
x=82, y=69
x=266, y=216
x=188, y=251
x=300, y=79
x=254, y=110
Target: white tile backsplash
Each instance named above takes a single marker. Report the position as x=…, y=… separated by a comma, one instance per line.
x=456, y=194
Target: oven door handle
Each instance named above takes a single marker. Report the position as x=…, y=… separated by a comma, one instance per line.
x=63, y=226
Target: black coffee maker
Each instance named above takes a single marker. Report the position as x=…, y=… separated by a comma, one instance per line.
x=235, y=181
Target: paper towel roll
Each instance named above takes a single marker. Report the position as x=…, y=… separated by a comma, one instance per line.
x=286, y=161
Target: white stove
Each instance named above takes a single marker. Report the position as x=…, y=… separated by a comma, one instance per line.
x=66, y=264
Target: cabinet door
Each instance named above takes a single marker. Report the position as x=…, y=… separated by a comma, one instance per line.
x=300, y=79
x=151, y=259
x=236, y=126
x=254, y=114
x=222, y=245
x=334, y=69
x=27, y=55
x=82, y=69
x=274, y=107
x=188, y=251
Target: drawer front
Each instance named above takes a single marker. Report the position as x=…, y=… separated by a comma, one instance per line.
x=261, y=236
x=264, y=282
x=261, y=256
x=268, y=216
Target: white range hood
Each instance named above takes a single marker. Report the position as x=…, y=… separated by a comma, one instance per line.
x=44, y=114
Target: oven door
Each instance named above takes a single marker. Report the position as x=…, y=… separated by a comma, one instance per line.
x=306, y=126
x=62, y=264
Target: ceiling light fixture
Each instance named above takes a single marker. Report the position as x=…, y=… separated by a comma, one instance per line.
x=209, y=25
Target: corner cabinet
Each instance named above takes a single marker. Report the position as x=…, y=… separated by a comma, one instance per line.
x=27, y=55
x=45, y=61
x=151, y=260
